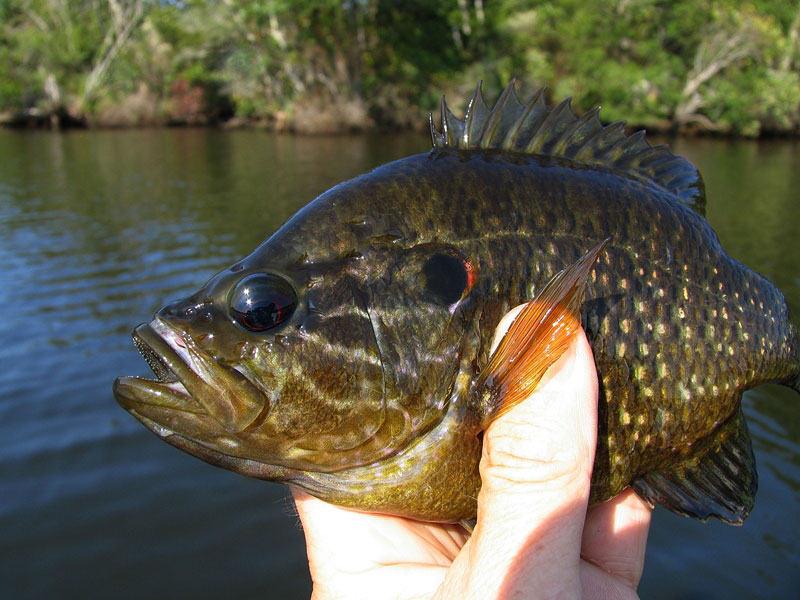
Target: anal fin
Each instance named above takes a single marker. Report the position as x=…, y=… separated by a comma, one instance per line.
x=718, y=480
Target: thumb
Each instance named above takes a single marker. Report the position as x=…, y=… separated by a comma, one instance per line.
x=547, y=442
x=536, y=472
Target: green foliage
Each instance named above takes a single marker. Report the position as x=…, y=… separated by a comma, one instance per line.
x=717, y=65
x=777, y=104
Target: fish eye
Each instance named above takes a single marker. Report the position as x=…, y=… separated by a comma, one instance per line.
x=447, y=277
x=262, y=301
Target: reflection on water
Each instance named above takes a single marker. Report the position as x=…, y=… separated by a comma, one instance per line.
x=99, y=229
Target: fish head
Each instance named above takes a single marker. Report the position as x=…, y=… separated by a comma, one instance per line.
x=292, y=362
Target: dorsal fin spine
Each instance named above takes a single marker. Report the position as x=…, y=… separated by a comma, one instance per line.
x=531, y=128
x=650, y=155
x=573, y=136
x=510, y=141
x=550, y=125
x=629, y=148
x=592, y=143
x=614, y=152
x=445, y=124
x=452, y=126
x=606, y=138
x=490, y=131
x=476, y=106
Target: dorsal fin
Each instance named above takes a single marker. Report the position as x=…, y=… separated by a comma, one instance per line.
x=532, y=128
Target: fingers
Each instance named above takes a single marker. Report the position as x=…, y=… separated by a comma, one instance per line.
x=614, y=541
x=536, y=472
x=615, y=536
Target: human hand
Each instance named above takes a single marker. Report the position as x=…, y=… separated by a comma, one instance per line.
x=534, y=537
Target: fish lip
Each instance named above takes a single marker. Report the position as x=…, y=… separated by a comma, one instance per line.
x=160, y=346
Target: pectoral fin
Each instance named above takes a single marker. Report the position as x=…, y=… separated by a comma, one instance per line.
x=719, y=480
x=536, y=339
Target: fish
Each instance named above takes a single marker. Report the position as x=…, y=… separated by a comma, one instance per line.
x=350, y=354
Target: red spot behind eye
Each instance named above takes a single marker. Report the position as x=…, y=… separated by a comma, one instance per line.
x=472, y=275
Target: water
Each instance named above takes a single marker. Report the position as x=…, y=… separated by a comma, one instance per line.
x=99, y=229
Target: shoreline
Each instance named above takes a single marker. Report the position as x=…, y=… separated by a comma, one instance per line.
x=57, y=124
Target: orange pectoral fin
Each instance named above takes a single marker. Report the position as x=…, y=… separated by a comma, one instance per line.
x=537, y=338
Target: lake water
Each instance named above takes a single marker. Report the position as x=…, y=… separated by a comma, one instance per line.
x=99, y=229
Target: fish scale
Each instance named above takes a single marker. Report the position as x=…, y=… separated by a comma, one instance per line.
x=375, y=386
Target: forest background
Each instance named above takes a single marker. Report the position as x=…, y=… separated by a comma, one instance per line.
x=717, y=66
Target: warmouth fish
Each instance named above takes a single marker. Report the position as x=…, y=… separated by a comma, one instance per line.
x=349, y=354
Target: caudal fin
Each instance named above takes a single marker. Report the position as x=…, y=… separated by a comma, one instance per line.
x=795, y=356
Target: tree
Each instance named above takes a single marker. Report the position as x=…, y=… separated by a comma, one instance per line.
x=62, y=49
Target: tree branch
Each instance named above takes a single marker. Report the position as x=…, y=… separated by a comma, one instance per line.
x=120, y=39
x=791, y=46
x=713, y=56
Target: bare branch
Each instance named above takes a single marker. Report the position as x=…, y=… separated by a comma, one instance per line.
x=117, y=15
x=714, y=55
x=792, y=45
x=132, y=19
x=726, y=50
x=36, y=20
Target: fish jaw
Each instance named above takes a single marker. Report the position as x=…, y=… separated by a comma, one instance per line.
x=194, y=394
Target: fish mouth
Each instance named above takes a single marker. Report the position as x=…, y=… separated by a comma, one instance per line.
x=195, y=403
x=192, y=395
x=156, y=342
x=157, y=362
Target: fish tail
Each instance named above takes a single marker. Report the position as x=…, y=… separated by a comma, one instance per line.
x=795, y=384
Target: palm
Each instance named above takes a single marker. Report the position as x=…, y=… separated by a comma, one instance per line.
x=375, y=554
x=361, y=555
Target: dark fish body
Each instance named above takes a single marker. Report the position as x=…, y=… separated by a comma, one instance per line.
x=345, y=354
